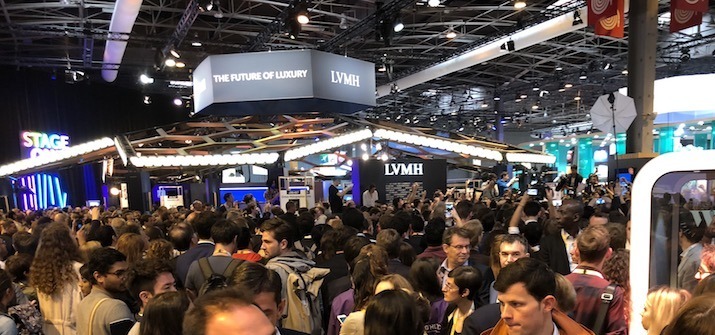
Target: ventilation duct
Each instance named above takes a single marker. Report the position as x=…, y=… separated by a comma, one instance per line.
x=539, y=33
x=123, y=18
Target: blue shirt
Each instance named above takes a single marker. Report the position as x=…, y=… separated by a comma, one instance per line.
x=502, y=185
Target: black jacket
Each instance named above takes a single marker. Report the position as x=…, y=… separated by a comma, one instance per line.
x=553, y=253
x=485, y=317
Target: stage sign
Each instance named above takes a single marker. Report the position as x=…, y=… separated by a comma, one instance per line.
x=279, y=82
x=33, y=143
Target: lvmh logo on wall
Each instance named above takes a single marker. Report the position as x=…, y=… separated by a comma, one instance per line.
x=404, y=169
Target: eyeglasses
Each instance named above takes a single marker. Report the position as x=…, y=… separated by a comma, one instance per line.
x=118, y=273
x=450, y=287
x=460, y=247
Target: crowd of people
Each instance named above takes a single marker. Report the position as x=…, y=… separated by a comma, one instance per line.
x=497, y=262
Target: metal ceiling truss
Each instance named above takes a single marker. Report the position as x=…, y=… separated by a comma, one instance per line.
x=60, y=34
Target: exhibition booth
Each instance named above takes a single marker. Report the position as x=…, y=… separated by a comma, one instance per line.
x=246, y=143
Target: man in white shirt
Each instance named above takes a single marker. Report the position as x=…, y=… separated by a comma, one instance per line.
x=369, y=197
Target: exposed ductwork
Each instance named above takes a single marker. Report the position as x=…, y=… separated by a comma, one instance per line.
x=123, y=18
x=539, y=33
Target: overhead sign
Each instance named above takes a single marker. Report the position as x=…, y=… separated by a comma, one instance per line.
x=403, y=169
x=34, y=143
x=395, y=178
x=283, y=82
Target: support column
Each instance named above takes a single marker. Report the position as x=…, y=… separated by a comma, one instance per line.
x=642, y=37
x=665, y=142
x=621, y=143
x=712, y=135
x=700, y=140
x=585, y=156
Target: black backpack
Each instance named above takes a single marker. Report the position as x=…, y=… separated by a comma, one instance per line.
x=212, y=280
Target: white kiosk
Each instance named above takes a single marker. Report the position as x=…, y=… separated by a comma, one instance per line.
x=171, y=196
x=297, y=189
x=667, y=173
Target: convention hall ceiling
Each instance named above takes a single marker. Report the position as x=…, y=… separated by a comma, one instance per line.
x=62, y=35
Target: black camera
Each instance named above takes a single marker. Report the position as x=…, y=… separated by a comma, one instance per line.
x=536, y=191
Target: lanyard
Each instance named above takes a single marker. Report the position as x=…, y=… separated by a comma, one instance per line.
x=588, y=272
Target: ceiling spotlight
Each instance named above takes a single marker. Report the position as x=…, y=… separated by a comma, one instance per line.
x=219, y=13
x=568, y=85
x=180, y=64
x=607, y=66
x=624, y=72
x=559, y=68
x=517, y=100
x=196, y=44
x=382, y=68
x=302, y=16
x=577, y=98
x=519, y=4
x=535, y=88
x=485, y=105
x=178, y=102
x=398, y=26
x=451, y=34
x=343, y=22
x=206, y=6
x=144, y=79
x=170, y=62
x=583, y=75
x=562, y=89
x=175, y=53
x=523, y=96
x=293, y=28
x=147, y=100
x=684, y=55
x=497, y=98
x=433, y=3
x=508, y=46
x=577, y=18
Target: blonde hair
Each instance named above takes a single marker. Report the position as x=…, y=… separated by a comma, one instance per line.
x=664, y=303
x=565, y=294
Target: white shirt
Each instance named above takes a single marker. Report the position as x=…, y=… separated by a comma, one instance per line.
x=369, y=199
x=570, y=243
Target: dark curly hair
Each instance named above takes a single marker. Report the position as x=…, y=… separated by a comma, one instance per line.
x=53, y=266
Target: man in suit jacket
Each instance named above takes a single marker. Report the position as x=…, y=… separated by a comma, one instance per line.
x=202, y=224
x=556, y=248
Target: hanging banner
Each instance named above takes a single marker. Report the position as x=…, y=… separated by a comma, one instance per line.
x=279, y=82
x=690, y=5
x=681, y=19
x=613, y=26
x=601, y=9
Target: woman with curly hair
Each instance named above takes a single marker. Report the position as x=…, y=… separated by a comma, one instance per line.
x=160, y=249
x=616, y=270
x=55, y=275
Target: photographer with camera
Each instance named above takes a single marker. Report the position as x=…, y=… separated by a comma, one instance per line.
x=569, y=183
